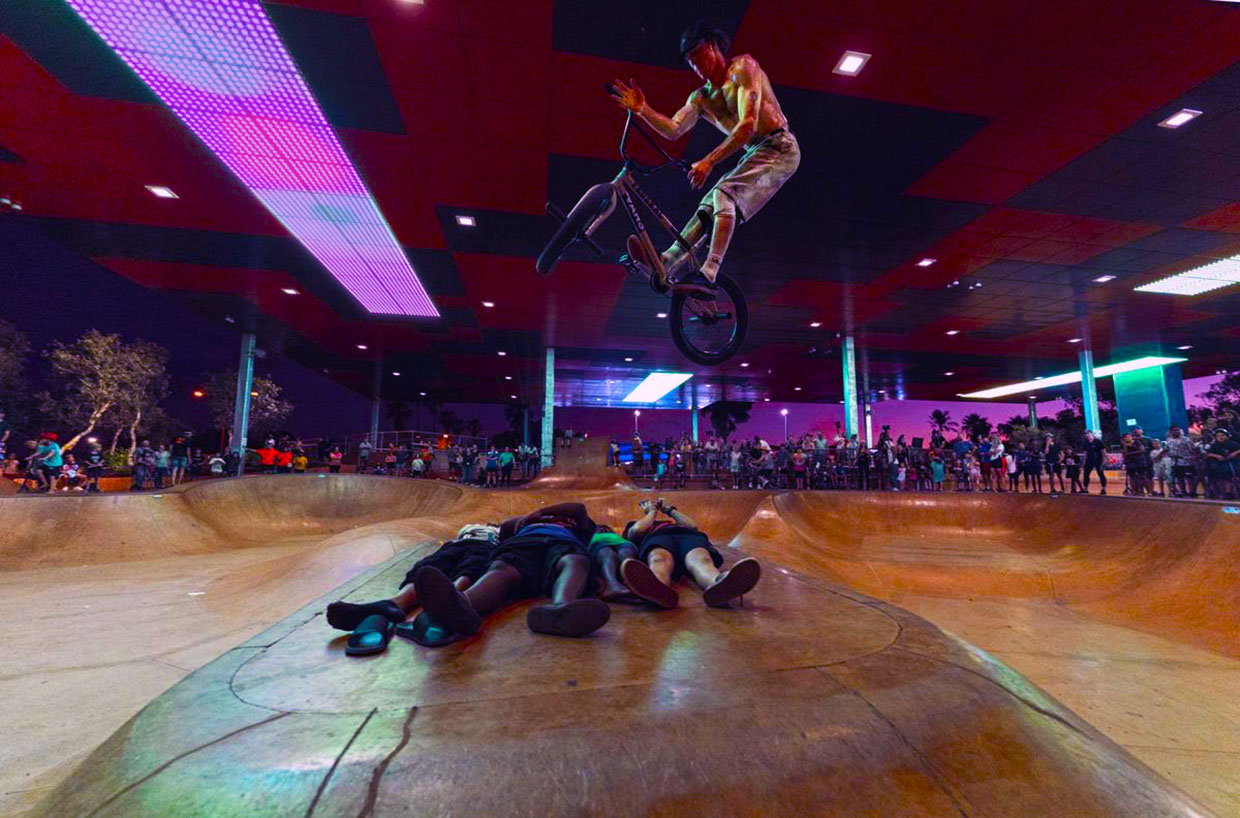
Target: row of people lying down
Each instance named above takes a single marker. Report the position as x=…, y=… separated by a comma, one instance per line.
x=556, y=552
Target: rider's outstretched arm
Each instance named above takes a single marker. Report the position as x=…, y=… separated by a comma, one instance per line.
x=631, y=97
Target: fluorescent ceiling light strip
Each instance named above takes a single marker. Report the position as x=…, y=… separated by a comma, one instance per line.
x=655, y=386
x=221, y=67
x=1147, y=362
x=1203, y=279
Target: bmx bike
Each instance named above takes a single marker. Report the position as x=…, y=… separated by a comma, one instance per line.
x=708, y=324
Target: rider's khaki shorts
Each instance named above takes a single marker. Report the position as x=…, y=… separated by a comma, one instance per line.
x=761, y=172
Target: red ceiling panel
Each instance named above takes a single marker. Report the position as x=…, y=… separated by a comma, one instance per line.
x=1226, y=219
x=970, y=183
x=516, y=21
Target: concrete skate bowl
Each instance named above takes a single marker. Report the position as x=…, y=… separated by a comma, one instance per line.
x=1170, y=569
x=46, y=532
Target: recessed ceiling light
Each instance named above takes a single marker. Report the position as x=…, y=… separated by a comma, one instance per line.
x=514, y=397
x=926, y=262
x=1104, y=279
x=629, y=360
x=745, y=364
x=851, y=63
x=660, y=315
x=228, y=319
x=796, y=389
x=423, y=394
x=466, y=221
x=815, y=324
x=1185, y=346
x=162, y=192
x=1184, y=117
x=507, y=377
x=288, y=291
x=949, y=374
x=953, y=332
x=397, y=374
x=1074, y=340
x=488, y=304
x=362, y=346
x=766, y=400
x=501, y=353
x=1038, y=377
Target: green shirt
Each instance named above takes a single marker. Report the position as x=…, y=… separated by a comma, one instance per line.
x=506, y=458
x=608, y=538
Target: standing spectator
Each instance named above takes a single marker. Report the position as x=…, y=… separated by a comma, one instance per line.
x=138, y=460
x=1160, y=463
x=267, y=458
x=363, y=455
x=1221, y=457
x=334, y=458
x=1181, y=453
x=469, y=459
x=1018, y=462
x=6, y=431
x=1072, y=463
x=1094, y=460
x=428, y=461
x=216, y=465
x=1054, y=467
x=47, y=456
x=163, y=465
x=1136, y=466
x=94, y=467
x=492, y=467
x=506, y=464
x=178, y=459
x=300, y=462
x=937, y=471
x=416, y=467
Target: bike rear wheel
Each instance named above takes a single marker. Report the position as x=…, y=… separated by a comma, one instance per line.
x=580, y=219
x=710, y=332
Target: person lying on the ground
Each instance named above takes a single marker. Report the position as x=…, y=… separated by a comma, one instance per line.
x=463, y=560
x=668, y=549
x=608, y=549
x=543, y=553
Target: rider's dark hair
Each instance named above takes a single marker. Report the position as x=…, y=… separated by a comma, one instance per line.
x=703, y=31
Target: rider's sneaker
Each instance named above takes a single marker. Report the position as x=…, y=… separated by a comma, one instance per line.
x=637, y=255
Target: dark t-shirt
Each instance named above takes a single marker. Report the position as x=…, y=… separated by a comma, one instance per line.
x=178, y=449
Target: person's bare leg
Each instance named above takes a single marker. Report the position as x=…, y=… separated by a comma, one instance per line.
x=691, y=234
x=719, y=587
x=720, y=237
x=492, y=588
x=700, y=567
x=609, y=559
x=567, y=614
x=652, y=580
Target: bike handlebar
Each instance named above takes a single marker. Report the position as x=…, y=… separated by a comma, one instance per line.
x=630, y=124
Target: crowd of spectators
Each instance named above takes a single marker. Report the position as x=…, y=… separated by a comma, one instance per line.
x=1201, y=462
x=487, y=466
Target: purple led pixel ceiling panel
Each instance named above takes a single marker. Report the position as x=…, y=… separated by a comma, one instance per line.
x=221, y=67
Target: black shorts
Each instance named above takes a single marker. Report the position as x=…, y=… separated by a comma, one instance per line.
x=679, y=543
x=536, y=558
x=456, y=558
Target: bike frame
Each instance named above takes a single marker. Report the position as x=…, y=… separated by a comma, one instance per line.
x=626, y=189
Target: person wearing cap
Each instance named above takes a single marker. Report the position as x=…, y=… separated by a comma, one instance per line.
x=1094, y=459
x=1222, y=457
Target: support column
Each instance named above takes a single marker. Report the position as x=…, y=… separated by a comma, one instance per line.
x=869, y=426
x=850, y=387
x=548, y=414
x=1151, y=398
x=1033, y=413
x=525, y=426
x=1089, y=392
x=376, y=404
x=693, y=399
x=241, y=407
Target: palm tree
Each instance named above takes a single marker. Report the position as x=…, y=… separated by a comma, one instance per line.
x=941, y=420
x=725, y=415
x=976, y=425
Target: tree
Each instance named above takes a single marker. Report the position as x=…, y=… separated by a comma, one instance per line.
x=726, y=415
x=1225, y=394
x=449, y=422
x=976, y=425
x=473, y=427
x=14, y=352
x=399, y=411
x=99, y=374
x=941, y=420
x=267, y=408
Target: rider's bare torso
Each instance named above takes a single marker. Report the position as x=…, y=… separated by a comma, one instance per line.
x=719, y=104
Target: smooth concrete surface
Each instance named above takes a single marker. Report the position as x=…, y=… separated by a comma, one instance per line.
x=811, y=699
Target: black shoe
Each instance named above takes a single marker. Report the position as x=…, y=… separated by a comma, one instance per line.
x=576, y=618
x=695, y=285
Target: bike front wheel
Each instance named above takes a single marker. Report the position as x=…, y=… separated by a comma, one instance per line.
x=710, y=331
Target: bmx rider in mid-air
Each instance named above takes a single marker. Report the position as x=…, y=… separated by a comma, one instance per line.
x=736, y=98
